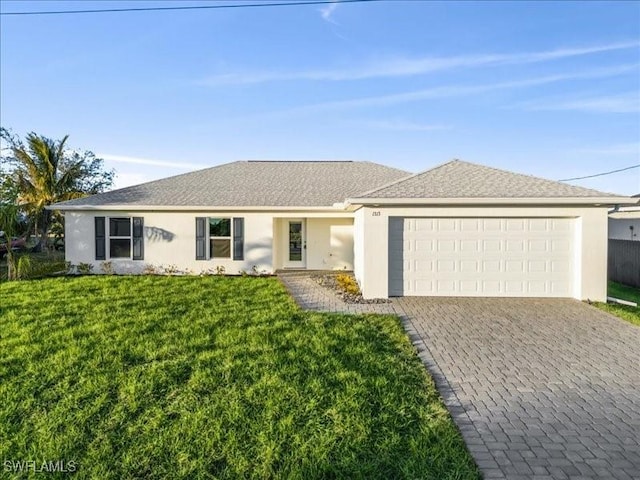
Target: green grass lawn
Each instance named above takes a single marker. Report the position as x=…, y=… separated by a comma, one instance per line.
x=623, y=292
x=214, y=377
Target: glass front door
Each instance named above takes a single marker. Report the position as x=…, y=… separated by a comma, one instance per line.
x=296, y=255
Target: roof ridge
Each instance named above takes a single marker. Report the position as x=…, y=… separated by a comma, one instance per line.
x=242, y=183
x=535, y=177
x=390, y=184
x=303, y=161
x=473, y=170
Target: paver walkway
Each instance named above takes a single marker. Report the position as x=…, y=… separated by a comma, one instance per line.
x=540, y=388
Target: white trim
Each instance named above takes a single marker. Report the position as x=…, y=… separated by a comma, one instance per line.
x=199, y=208
x=596, y=201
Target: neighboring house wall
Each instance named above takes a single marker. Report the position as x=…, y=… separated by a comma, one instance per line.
x=589, y=246
x=619, y=228
x=170, y=237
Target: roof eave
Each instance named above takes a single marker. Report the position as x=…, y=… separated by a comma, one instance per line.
x=193, y=208
x=593, y=201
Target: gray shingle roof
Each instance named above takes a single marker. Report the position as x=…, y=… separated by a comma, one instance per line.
x=253, y=184
x=458, y=179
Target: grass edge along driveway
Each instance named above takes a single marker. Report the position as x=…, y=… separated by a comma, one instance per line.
x=625, y=312
x=214, y=377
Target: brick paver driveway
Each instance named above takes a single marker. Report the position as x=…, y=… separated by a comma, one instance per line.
x=546, y=389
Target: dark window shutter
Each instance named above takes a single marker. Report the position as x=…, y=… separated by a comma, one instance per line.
x=138, y=238
x=238, y=238
x=100, y=238
x=201, y=239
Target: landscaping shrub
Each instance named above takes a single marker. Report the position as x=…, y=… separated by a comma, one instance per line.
x=348, y=284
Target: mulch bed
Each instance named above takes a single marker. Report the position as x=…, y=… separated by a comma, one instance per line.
x=328, y=280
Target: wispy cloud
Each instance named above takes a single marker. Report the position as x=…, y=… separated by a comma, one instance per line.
x=147, y=161
x=401, y=67
x=327, y=11
x=123, y=180
x=620, y=103
x=403, y=125
x=626, y=149
x=459, y=90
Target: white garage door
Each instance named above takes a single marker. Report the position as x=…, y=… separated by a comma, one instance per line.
x=514, y=257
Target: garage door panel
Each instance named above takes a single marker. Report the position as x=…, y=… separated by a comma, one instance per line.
x=515, y=246
x=515, y=225
x=537, y=246
x=515, y=267
x=481, y=256
x=491, y=288
x=469, y=246
x=469, y=287
x=492, y=245
x=514, y=287
x=448, y=287
x=445, y=266
x=446, y=225
x=469, y=266
x=492, y=225
x=537, y=287
x=536, y=266
x=422, y=225
x=423, y=245
x=469, y=225
x=538, y=225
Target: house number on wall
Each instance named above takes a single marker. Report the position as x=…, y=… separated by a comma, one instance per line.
x=375, y=214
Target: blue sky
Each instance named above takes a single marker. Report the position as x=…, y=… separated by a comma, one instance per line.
x=549, y=89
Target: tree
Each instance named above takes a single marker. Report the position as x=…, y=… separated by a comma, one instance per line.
x=11, y=222
x=44, y=171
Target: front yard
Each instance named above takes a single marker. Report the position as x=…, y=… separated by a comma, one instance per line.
x=173, y=377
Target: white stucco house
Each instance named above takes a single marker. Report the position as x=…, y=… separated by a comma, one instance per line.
x=624, y=222
x=458, y=229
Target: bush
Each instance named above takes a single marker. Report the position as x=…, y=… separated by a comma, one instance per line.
x=107, y=268
x=84, y=268
x=150, y=269
x=34, y=266
x=348, y=284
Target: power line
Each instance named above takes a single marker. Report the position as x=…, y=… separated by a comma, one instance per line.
x=190, y=7
x=600, y=174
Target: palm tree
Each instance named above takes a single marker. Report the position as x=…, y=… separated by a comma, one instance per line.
x=44, y=175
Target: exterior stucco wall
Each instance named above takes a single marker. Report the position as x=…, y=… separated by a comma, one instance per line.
x=169, y=239
x=619, y=228
x=590, y=245
x=330, y=243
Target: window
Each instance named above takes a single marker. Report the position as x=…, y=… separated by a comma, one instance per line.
x=120, y=238
x=125, y=237
x=225, y=236
x=220, y=238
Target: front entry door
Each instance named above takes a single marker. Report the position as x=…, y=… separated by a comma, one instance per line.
x=296, y=254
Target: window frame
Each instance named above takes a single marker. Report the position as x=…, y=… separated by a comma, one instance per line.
x=211, y=238
x=119, y=237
